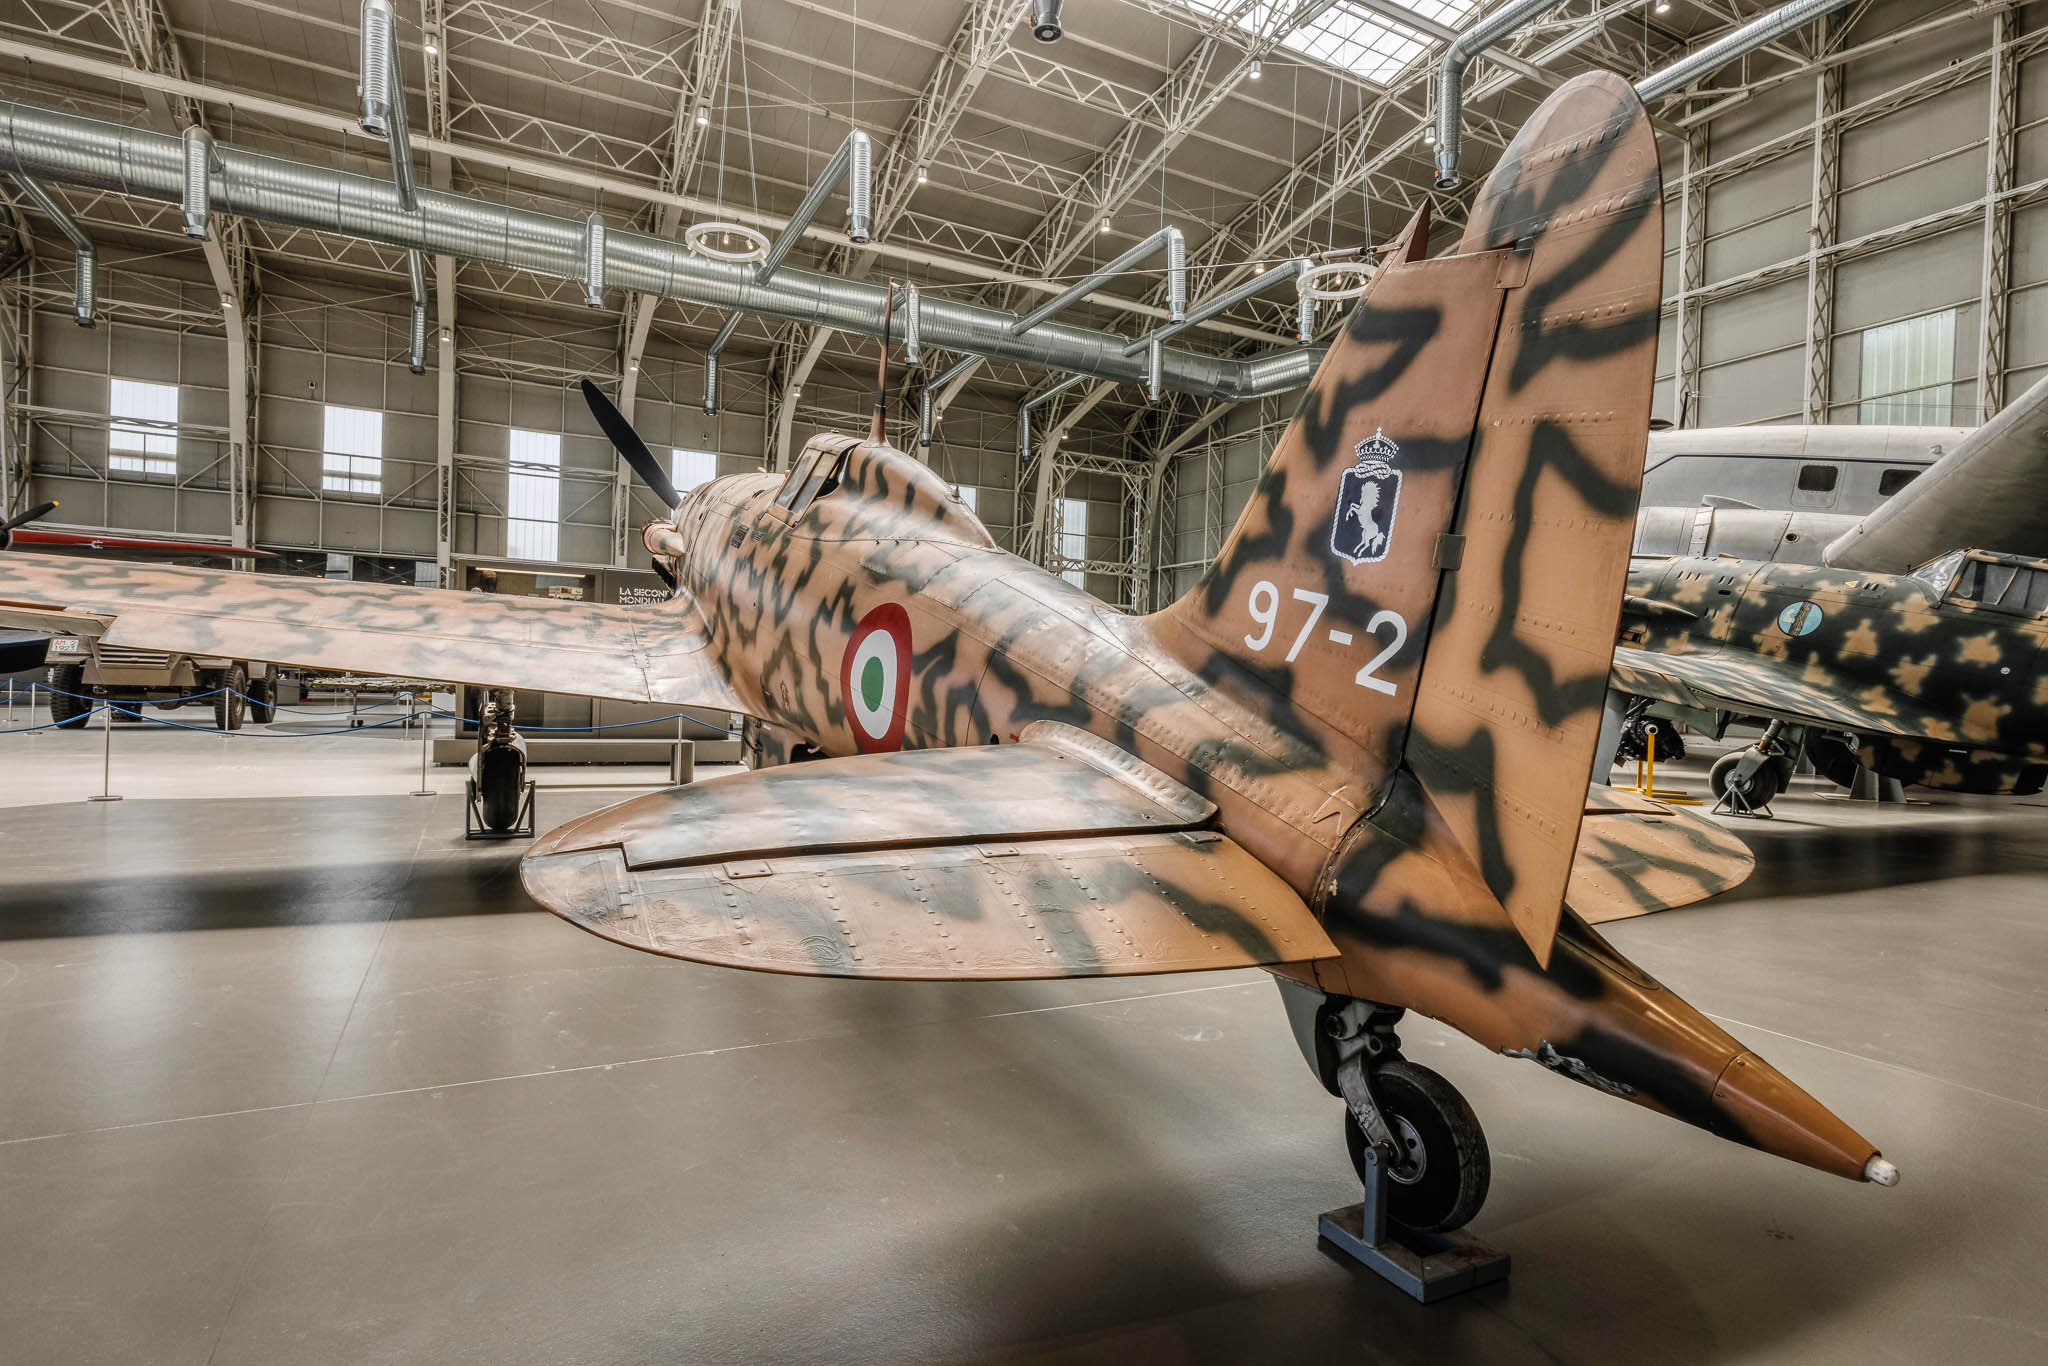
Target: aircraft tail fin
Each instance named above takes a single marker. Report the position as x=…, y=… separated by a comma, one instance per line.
x=1431, y=566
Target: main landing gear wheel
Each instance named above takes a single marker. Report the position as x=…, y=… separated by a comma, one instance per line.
x=68, y=711
x=1746, y=792
x=1444, y=1170
x=263, y=709
x=500, y=785
x=229, y=705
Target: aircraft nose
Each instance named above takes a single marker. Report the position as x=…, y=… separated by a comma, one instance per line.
x=1781, y=1118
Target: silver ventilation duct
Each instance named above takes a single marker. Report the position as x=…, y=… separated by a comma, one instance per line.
x=1045, y=21
x=711, y=381
x=198, y=176
x=1450, y=80
x=924, y=418
x=1228, y=299
x=1751, y=36
x=1153, y=355
x=383, y=95
x=85, y=289
x=852, y=163
x=912, y=340
x=416, y=351
x=1305, y=318
x=80, y=151
x=593, y=261
x=1168, y=240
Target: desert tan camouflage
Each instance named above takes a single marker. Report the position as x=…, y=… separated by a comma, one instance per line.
x=1356, y=753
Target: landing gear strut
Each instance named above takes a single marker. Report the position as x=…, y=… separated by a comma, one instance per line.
x=1415, y=1143
x=500, y=804
x=1745, y=780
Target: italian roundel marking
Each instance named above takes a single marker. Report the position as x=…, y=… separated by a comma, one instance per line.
x=874, y=678
x=1799, y=618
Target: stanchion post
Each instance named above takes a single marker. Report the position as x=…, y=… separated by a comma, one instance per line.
x=426, y=723
x=106, y=792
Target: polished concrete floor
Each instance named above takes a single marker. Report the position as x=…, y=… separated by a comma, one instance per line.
x=293, y=1074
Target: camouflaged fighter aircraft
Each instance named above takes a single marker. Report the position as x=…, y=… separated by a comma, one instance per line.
x=1356, y=754
x=1933, y=677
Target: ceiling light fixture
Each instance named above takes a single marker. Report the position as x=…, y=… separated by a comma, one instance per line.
x=433, y=51
x=703, y=117
x=1663, y=6
x=1105, y=223
x=923, y=176
x=1258, y=68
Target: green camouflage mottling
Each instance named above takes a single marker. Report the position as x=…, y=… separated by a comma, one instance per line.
x=1936, y=687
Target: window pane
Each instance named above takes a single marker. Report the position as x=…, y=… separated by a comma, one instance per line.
x=687, y=468
x=148, y=442
x=970, y=495
x=533, y=496
x=1908, y=371
x=1073, y=538
x=1891, y=481
x=353, y=450
x=1817, y=478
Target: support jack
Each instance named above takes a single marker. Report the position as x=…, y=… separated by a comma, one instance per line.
x=474, y=828
x=1428, y=1266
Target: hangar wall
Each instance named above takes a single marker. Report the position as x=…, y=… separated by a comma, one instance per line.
x=324, y=342
x=1859, y=240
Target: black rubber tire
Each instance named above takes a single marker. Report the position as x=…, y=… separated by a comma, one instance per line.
x=1833, y=759
x=501, y=785
x=229, y=706
x=1764, y=784
x=69, y=712
x=1445, y=1181
x=263, y=710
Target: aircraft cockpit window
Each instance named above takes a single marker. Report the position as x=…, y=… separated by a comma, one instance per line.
x=817, y=473
x=1817, y=478
x=1891, y=481
x=2010, y=587
x=1940, y=573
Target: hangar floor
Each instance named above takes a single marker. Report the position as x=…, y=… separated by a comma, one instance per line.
x=292, y=1074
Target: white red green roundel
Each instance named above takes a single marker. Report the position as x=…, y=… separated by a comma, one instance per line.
x=874, y=678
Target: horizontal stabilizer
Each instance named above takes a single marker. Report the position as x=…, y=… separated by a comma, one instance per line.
x=1637, y=855
x=1056, y=857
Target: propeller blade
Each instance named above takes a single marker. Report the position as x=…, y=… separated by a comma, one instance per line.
x=24, y=518
x=630, y=445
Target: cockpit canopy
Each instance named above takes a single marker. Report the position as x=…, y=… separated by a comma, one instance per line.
x=2011, y=583
x=904, y=496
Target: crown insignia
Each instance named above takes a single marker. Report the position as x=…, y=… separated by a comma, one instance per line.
x=1377, y=447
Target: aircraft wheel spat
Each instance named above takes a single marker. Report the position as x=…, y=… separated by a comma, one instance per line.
x=874, y=676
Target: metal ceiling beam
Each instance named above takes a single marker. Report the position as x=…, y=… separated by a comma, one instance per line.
x=146, y=32
x=687, y=135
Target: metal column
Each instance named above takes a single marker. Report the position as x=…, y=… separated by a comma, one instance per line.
x=1820, y=234
x=1692, y=274
x=1998, y=168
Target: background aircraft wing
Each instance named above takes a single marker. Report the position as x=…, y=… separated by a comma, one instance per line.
x=1985, y=493
x=1755, y=685
x=1636, y=856
x=1060, y=856
x=654, y=652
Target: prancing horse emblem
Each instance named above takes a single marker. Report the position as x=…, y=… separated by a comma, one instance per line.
x=1367, y=499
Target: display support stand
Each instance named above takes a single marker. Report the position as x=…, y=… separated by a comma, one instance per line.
x=413, y=713
x=1428, y=1266
x=106, y=792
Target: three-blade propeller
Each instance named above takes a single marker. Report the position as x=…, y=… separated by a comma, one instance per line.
x=628, y=443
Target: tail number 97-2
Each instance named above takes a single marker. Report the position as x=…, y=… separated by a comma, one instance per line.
x=1264, y=607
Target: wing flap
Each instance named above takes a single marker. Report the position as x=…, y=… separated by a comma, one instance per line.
x=1077, y=906
x=1636, y=856
x=1061, y=856
x=656, y=652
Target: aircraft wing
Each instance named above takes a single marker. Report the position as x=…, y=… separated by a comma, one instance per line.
x=654, y=652
x=1986, y=493
x=1060, y=856
x=1636, y=855
x=1755, y=685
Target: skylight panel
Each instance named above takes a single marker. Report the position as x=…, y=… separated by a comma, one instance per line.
x=1348, y=39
